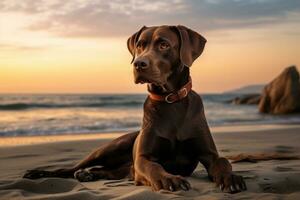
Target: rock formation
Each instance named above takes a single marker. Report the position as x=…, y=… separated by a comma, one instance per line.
x=282, y=95
x=248, y=99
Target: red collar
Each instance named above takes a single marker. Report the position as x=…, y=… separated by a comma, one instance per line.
x=173, y=96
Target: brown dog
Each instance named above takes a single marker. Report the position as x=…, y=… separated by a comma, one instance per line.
x=174, y=136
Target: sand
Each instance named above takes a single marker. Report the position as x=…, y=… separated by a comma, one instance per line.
x=271, y=179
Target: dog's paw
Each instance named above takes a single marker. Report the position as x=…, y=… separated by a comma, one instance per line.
x=35, y=174
x=84, y=175
x=169, y=182
x=231, y=183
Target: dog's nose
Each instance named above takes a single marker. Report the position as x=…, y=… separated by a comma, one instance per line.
x=141, y=63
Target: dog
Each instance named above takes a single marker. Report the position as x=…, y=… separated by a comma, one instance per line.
x=174, y=136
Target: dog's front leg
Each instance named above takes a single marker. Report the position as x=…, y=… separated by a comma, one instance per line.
x=219, y=169
x=147, y=169
x=157, y=177
x=222, y=175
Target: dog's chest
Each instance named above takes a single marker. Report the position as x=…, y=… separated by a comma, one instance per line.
x=181, y=121
x=166, y=149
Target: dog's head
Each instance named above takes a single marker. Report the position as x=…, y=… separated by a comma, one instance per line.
x=162, y=52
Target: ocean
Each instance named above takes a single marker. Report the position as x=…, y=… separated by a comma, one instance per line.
x=54, y=114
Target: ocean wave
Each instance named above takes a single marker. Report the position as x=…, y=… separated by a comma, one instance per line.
x=80, y=113
x=24, y=106
x=57, y=128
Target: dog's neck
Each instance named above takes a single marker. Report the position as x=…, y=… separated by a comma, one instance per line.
x=175, y=82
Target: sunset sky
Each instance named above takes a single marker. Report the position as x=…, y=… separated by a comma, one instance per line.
x=79, y=46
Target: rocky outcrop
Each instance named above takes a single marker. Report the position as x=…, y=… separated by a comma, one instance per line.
x=248, y=99
x=282, y=95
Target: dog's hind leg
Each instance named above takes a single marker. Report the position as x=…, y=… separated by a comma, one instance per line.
x=96, y=173
x=111, y=156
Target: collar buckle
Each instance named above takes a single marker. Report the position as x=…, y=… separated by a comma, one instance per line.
x=184, y=92
x=167, y=98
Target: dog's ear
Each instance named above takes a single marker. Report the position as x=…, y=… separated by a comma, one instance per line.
x=191, y=45
x=132, y=41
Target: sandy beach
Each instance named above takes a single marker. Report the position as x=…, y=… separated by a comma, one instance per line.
x=272, y=179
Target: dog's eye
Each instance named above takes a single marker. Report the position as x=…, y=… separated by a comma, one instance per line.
x=164, y=45
x=140, y=45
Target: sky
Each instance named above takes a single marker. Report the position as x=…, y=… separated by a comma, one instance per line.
x=79, y=46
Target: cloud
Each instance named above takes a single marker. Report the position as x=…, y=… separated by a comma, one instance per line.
x=107, y=18
x=98, y=18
